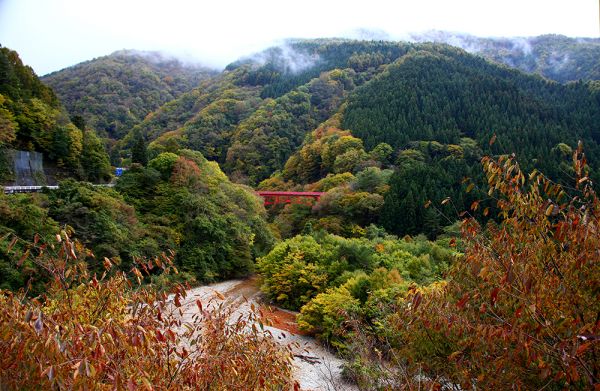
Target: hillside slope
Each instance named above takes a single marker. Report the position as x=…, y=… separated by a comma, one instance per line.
x=32, y=118
x=555, y=57
x=257, y=113
x=115, y=92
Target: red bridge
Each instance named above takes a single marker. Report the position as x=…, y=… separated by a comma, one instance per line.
x=289, y=197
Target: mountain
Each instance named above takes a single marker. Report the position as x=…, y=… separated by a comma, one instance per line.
x=254, y=115
x=555, y=57
x=329, y=113
x=257, y=113
x=115, y=92
x=32, y=118
x=336, y=115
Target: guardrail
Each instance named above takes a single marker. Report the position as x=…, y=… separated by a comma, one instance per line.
x=37, y=189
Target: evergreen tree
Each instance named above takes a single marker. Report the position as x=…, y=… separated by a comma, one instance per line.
x=78, y=121
x=94, y=158
x=139, y=152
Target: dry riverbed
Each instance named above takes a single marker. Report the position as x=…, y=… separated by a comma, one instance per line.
x=315, y=368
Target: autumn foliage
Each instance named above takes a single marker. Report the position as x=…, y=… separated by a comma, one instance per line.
x=521, y=310
x=112, y=332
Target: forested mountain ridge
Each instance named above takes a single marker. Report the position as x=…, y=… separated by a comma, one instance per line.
x=280, y=94
x=381, y=126
x=243, y=112
x=433, y=114
x=447, y=95
x=555, y=57
x=115, y=92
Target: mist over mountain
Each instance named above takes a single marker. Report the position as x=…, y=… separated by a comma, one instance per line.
x=257, y=113
x=115, y=92
x=555, y=57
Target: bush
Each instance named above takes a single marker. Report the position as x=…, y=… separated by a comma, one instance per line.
x=521, y=309
x=217, y=227
x=112, y=333
x=298, y=269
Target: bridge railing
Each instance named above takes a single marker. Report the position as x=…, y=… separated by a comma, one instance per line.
x=26, y=189
x=289, y=197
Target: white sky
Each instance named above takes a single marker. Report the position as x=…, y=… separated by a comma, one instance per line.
x=53, y=34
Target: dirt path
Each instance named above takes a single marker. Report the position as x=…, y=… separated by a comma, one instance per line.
x=315, y=368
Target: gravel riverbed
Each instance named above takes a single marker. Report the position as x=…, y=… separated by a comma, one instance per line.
x=315, y=367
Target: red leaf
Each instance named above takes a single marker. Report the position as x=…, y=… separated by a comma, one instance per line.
x=519, y=311
x=493, y=139
x=417, y=300
x=160, y=336
x=582, y=348
x=494, y=295
x=461, y=303
x=12, y=243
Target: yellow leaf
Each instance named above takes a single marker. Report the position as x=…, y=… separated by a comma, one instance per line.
x=454, y=355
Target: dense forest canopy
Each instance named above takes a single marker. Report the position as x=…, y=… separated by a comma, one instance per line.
x=555, y=57
x=32, y=118
x=425, y=111
x=115, y=92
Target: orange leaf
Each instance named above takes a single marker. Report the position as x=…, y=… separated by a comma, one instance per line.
x=417, y=300
x=23, y=257
x=454, y=355
x=582, y=348
x=12, y=243
x=219, y=295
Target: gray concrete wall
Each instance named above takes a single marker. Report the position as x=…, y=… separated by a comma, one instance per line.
x=28, y=168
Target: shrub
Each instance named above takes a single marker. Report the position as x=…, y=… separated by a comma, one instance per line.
x=521, y=309
x=113, y=333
